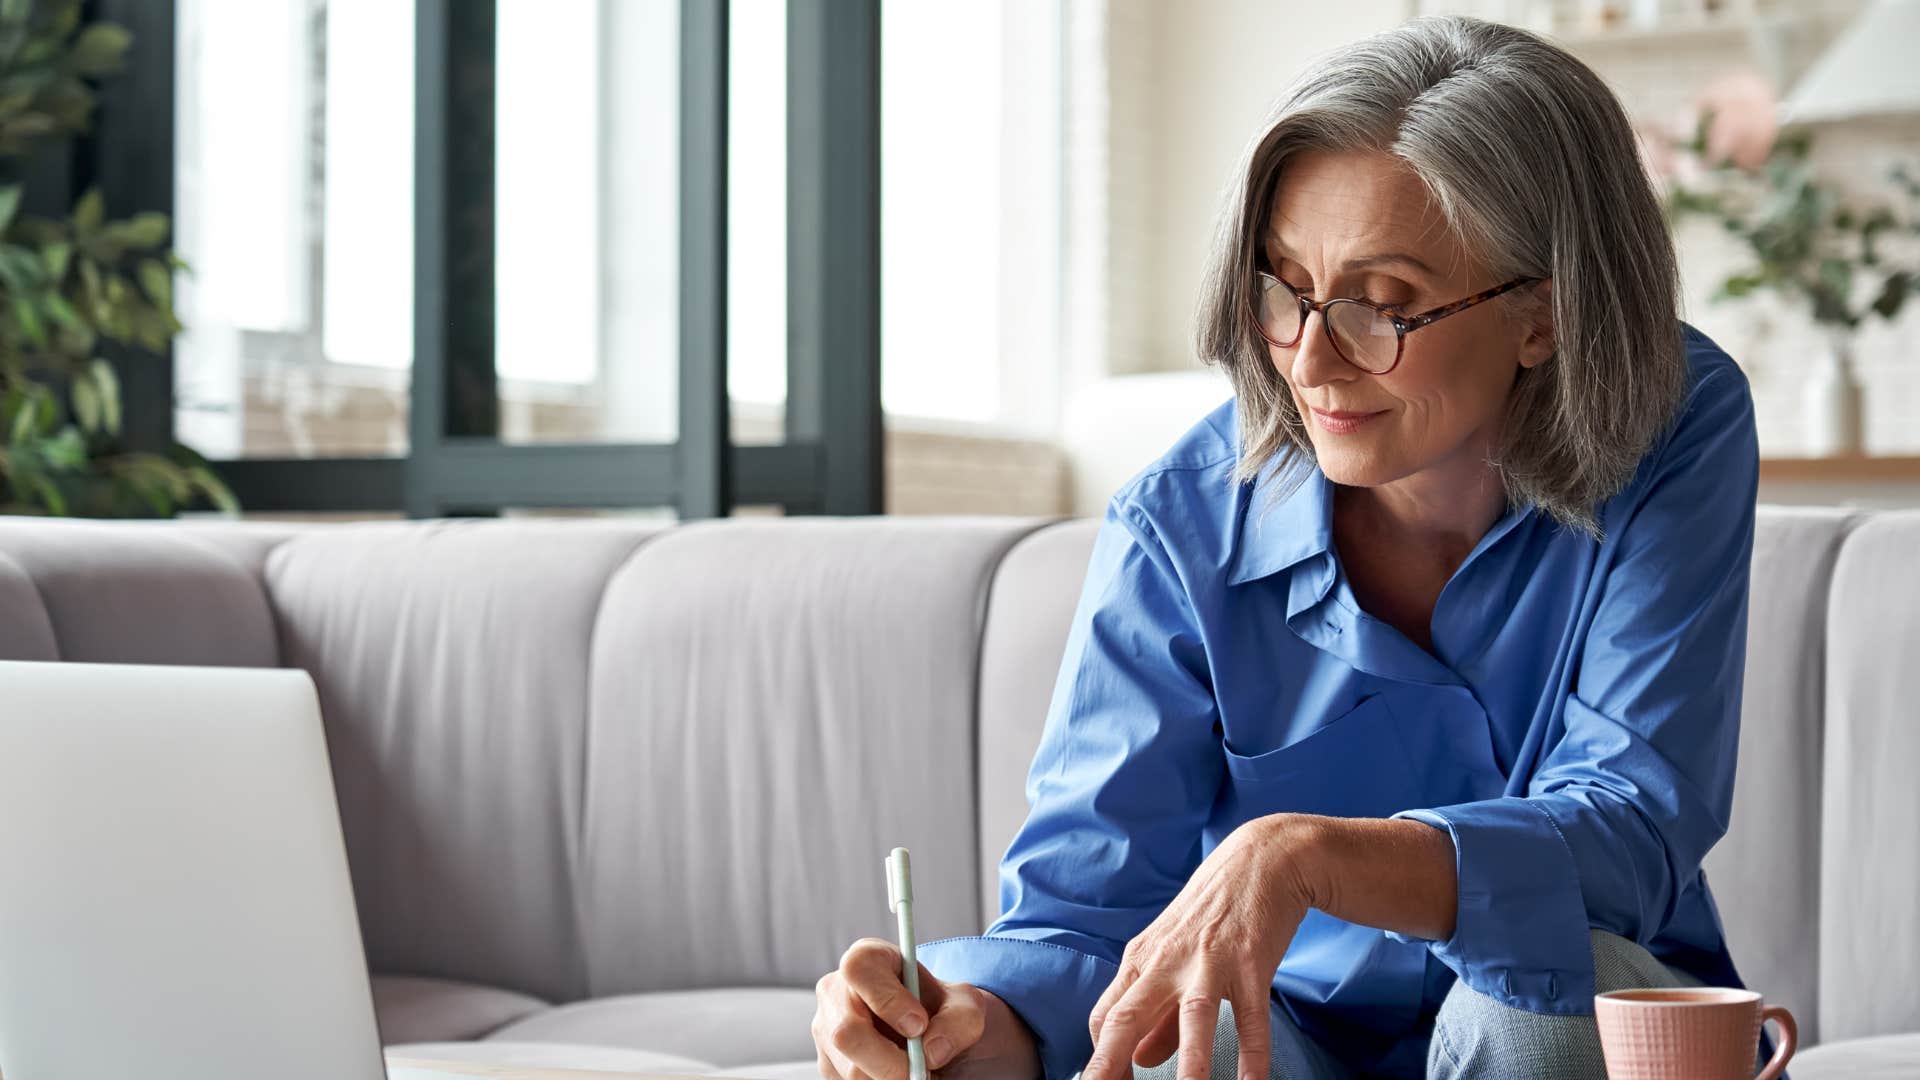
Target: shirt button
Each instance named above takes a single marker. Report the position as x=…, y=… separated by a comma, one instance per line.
x=1553, y=988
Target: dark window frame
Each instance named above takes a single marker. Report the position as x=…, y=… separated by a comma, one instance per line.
x=831, y=461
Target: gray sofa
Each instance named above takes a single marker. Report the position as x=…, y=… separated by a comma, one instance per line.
x=616, y=795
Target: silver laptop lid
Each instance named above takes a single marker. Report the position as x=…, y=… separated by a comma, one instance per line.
x=175, y=902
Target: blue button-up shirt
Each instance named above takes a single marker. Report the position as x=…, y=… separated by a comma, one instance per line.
x=1573, y=730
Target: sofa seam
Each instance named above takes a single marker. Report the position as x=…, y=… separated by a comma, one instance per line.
x=983, y=611
x=40, y=596
x=576, y=843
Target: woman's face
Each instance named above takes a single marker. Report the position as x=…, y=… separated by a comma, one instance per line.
x=1363, y=226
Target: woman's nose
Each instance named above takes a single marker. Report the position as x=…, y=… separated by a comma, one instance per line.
x=1315, y=361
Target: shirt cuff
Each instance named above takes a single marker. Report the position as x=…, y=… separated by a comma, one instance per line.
x=1051, y=987
x=1521, y=936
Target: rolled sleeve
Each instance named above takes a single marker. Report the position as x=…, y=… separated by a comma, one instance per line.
x=1520, y=936
x=1051, y=987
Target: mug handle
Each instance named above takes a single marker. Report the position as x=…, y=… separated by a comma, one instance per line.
x=1789, y=1040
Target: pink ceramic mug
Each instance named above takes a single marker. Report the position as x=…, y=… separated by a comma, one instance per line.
x=1689, y=1034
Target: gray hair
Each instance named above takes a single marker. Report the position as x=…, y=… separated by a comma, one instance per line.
x=1534, y=165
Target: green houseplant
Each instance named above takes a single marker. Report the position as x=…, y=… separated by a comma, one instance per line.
x=1840, y=261
x=67, y=287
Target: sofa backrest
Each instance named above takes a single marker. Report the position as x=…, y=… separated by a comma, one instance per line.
x=452, y=664
x=578, y=759
x=135, y=592
x=1764, y=872
x=775, y=706
x=1869, y=922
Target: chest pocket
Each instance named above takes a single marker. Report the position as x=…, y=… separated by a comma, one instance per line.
x=1355, y=765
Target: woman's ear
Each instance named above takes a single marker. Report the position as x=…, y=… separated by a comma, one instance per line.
x=1538, y=344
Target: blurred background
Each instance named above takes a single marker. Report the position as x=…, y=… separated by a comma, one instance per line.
x=683, y=258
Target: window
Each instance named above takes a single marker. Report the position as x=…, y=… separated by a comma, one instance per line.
x=462, y=257
x=293, y=203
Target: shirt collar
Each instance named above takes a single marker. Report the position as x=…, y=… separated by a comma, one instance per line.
x=1286, y=517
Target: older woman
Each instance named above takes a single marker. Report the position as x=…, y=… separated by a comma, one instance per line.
x=1401, y=702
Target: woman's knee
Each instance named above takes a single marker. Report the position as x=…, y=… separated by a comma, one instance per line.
x=1476, y=1036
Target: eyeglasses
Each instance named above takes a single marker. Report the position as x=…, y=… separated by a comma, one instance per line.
x=1365, y=334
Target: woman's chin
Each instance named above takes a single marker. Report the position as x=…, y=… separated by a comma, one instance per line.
x=1351, y=466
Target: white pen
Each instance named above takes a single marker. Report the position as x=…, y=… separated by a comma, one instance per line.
x=900, y=902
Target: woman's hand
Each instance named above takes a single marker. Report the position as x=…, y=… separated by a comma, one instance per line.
x=1223, y=936
x=863, y=1016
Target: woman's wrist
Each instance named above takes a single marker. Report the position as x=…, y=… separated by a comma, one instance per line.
x=1393, y=874
x=1007, y=1046
x=1302, y=876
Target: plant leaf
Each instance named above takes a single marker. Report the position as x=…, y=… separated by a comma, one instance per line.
x=63, y=312
x=89, y=212
x=26, y=422
x=56, y=257
x=86, y=404
x=216, y=491
x=109, y=382
x=99, y=49
x=157, y=282
x=9, y=204
x=145, y=230
x=29, y=318
x=49, y=492
x=67, y=450
x=1893, y=294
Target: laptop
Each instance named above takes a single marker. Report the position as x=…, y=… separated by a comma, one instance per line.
x=176, y=904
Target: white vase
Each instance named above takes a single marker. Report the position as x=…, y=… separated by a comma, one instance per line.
x=1834, y=399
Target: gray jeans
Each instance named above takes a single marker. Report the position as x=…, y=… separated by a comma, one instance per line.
x=1474, y=1037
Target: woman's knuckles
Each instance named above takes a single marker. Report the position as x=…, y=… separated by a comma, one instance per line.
x=1199, y=1005
x=845, y=1034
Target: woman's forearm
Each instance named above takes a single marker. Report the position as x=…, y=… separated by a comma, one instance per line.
x=1393, y=874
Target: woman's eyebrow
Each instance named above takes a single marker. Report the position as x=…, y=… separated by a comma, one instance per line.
x=1365, y=261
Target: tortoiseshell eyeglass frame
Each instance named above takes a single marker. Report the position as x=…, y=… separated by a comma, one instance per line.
x=1402, y=324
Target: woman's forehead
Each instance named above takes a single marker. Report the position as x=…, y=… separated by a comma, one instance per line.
x=1360, y=207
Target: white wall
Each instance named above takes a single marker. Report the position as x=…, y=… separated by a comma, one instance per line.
x=1192, y=83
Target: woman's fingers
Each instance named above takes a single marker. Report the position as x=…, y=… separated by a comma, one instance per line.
x=847, y=1041
x=1199, y=1015
x=1123, y=980
x=861, y=1051
x=1252, y=1024
x=1160, y=1043
x=1129, y=1020
x=957, y=1023
x=871, y=968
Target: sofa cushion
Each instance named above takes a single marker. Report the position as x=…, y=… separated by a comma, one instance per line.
x=606, y=1059
x=1889, y=1057
x=1870, y=865
x=117, y=592
x=784, y=1070
x=775, y=706
x=414, y=1009
x=451, y=663
x=26, y=633
x=727, y=1028
x=1760, y=871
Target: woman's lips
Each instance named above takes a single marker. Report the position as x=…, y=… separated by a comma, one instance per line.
x=1343, y=423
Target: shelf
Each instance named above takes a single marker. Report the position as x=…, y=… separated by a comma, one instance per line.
x=1703, y=30
x=1841, y=470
